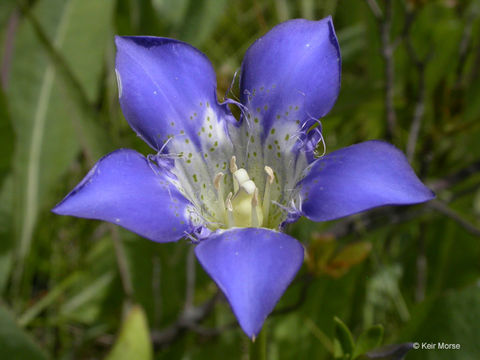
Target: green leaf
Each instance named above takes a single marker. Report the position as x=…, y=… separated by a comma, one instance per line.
x=201, y=18
x=6, y=191
x=343, y=341
x=352, y=41
x=368, y=340
x=87, y=299
x=46, y=119
x=6, y=243
x=134, y=339
x=6, y=138
x=15, y=344
x=6, y=7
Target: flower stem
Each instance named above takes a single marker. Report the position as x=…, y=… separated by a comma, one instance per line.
x=258, y=348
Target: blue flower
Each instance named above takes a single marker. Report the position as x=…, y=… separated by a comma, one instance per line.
x=230, y=185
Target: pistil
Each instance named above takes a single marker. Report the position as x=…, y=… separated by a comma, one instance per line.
x=243, y=207
x=244, y=202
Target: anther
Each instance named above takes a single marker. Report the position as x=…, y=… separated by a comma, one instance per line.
x=270, y=174
x=266, y=194
x=228, y=203
x=217, y=180
x=233, y=164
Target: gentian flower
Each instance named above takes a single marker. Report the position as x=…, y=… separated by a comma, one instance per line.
x=231, y=185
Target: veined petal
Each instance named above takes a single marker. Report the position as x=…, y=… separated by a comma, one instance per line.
x=290, y=78
x=292, y=74
x=253, y=267
x=358, y=178
x=167, y=89
x=126, y=189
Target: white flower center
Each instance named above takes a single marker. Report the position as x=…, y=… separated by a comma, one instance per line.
x=243, y=207
x=233, y=176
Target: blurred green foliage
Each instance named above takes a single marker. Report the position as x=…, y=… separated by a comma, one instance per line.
x=79, y=289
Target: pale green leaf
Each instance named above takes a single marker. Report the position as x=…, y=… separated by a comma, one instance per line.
x=133, y=342
x=343, y=341
x=368, y=340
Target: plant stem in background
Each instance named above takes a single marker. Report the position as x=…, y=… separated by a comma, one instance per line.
x=258, y=347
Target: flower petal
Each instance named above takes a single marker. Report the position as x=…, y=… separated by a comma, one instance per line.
x=124, y=188
x=167, y=89
x=253, y=267
x=290, y=78
x=358, y=178
x=292, y=73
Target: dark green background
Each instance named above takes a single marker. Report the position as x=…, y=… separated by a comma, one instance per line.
x=63, y=295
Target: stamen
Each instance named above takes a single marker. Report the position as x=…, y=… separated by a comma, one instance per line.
x=216, y=180
x=218, y=183
x=266, y=194
x=270, y=174
x=233, y=170
x=233, y=164
x=230, y=221
x=254, y=218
